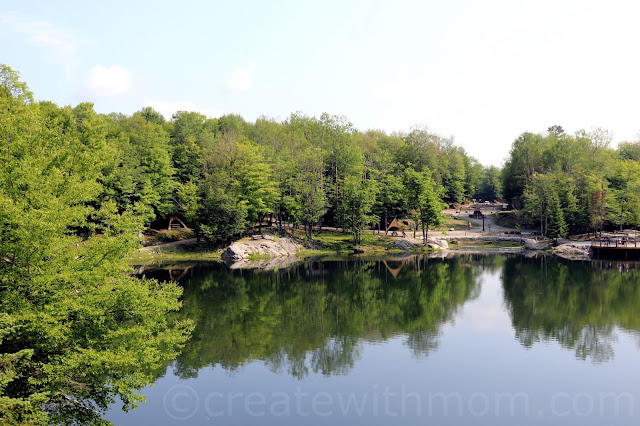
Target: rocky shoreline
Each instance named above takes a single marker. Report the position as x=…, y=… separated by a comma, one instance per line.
x=267, y=252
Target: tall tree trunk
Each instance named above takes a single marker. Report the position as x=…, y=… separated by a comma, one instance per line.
x=546, y=217
x=541, y=228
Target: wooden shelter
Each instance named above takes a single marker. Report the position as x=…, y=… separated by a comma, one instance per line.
x=394, y=227
x=178, y=225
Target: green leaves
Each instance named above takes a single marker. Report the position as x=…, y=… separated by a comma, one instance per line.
x=76, y=331
x=425, y=197
x=359, y=198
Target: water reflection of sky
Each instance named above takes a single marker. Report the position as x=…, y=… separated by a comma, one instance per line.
x=469, y=377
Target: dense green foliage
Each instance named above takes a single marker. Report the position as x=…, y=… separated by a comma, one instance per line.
x=76, y=332
x=306, y=171
x=573, y=184
x=224, y=175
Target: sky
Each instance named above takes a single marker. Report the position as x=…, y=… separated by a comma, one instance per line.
x=482, y=72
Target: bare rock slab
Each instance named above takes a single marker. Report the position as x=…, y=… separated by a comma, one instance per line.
x=261, y=247
x=573, y=251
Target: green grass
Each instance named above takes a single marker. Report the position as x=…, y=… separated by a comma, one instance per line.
x=174, y=254
x=168, y=236
x=327, y=243
x=486, y=244
x=255, y=257
x=342, y=243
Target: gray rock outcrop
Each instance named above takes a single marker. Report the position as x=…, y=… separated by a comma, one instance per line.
x=403, y=245
x=264, y=247
x=438, y=243
x=573, y=251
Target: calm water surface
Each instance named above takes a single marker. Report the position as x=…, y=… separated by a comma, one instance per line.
x=473, y=339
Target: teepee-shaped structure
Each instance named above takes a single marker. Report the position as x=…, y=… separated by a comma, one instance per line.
x=173, y=218
x=394, y=227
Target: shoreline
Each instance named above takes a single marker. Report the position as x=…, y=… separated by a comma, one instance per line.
x=334, y=244
x=269, y=249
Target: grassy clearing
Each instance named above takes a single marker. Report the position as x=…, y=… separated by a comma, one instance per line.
x=331, y=242
x=160, y=237
x=326, y=243
x=174, y=254
x=487, y=244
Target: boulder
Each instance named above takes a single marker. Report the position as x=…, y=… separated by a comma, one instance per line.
x=246, y=249
x=403, y=245
x=438, y=243
x=573, y=251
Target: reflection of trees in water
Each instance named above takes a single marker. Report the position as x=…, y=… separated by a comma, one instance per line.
x=336, y=356
x=577, y=304
x=422, y=343
x=312, y=317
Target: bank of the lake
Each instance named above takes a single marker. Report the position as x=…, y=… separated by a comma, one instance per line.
x=324, y=243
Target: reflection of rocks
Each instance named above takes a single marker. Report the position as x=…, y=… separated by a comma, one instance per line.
x=531, y=253
x=531, y=244
x=264, y=264
x=438, y=254
x=262, y=247
x=573, y=251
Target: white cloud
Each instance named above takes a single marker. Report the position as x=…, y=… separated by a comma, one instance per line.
x=168, y=108
x=103, y=81
x=241, y=80
x=61, y=43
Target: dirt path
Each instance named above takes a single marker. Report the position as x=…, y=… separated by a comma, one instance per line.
x=489, y=224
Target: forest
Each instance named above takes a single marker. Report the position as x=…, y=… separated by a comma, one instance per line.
x=224, y=175
x=573, y=184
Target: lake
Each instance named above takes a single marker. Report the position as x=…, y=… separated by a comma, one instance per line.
x=469, y=339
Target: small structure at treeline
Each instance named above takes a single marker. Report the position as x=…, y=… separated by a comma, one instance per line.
x=394, y=227
x=176, y=224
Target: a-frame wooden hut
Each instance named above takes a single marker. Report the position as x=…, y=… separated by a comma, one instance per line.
x=395, y=227
x=178, y=225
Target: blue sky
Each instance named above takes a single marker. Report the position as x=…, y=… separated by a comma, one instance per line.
x=480, y=71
